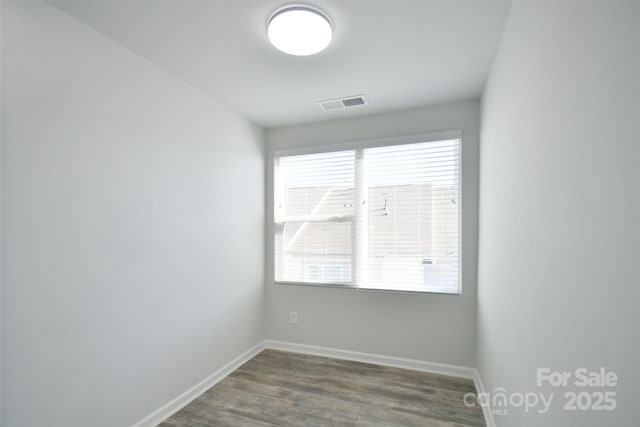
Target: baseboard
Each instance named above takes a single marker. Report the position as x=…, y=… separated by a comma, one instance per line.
x=480, y=390
x=188, y=396
x=396, y=362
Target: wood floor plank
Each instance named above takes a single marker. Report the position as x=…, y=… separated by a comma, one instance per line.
x=278, y=388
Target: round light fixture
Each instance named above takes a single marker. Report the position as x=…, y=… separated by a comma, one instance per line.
x=299, y=30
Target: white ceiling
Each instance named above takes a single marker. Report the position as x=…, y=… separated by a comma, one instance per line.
x=400, y=54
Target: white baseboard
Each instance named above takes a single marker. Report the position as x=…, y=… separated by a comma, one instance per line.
x=396, y=362
x=486, y=409
x=188, y=396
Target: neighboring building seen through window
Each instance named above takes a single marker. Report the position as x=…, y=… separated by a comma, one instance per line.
x=383, y=215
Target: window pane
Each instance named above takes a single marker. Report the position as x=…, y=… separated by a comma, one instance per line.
x=314, y=212
x=413, y=217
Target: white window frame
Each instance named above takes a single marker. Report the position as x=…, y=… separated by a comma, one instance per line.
x=359, y=147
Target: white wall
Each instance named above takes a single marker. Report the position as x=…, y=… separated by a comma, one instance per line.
x=132, y=219
x=559, y=247
x=434, y=328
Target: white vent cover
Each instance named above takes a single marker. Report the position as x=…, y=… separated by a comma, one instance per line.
x=341, y=103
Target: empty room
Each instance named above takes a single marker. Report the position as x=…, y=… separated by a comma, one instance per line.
x=326, y=213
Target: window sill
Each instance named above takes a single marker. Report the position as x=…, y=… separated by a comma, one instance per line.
x=364, y=288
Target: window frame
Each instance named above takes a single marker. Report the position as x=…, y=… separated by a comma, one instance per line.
x=456, y=134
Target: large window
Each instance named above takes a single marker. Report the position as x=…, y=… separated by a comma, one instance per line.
x=383, y=214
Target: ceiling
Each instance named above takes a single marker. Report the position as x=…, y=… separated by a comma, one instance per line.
x=399, y=54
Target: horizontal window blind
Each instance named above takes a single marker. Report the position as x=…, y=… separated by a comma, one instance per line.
x=314, y=214
x=413, y=217
x=377, y=217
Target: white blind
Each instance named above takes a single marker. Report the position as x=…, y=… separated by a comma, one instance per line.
x=314, y=214
x=383, y=217
x=413, y=223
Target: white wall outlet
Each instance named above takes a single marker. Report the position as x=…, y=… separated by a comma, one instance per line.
x=293, y=317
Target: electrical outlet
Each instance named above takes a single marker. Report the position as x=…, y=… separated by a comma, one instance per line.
x=293, y=317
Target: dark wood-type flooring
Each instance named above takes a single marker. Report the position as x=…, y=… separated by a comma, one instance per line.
x=278, y=388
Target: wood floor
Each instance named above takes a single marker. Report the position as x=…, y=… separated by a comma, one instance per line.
x=278, y=388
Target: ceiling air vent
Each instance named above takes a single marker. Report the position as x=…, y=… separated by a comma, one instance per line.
x=341, y=103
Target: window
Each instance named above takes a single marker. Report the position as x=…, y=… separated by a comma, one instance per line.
x=383, y=214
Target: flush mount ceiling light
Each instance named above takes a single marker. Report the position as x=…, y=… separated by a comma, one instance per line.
x=299, y=30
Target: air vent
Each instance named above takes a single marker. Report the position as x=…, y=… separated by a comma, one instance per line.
x=341, y=103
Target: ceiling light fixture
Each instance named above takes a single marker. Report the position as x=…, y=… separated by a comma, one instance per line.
x=299, y=30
